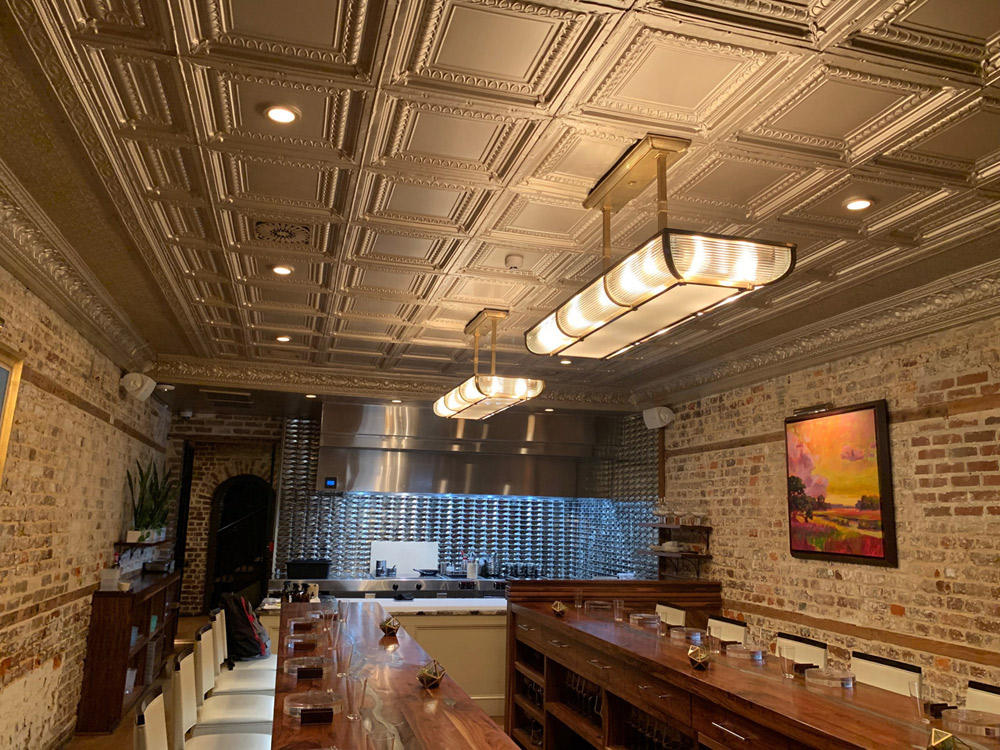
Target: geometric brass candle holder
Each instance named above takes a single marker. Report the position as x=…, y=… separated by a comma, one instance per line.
x=389, y=626
x=559, y=608
x=942, y=740
x=431, y=674
x=699, y=657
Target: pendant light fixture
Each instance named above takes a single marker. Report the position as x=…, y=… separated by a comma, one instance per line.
x=670, y=278
x=482, y=396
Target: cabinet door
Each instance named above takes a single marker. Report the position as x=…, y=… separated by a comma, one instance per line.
x=720, y=729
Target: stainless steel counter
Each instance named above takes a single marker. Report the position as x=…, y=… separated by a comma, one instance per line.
x=429, y=586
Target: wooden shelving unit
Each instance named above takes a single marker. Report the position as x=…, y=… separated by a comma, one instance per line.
x=133, y=545
x=677, y=560
x=126, y=647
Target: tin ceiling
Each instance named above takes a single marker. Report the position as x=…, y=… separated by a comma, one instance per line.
x=438, y=137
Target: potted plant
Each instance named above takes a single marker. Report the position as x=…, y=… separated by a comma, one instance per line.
x=152, y=496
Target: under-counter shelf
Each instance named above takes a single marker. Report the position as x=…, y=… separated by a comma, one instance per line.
x=529, y=708
x=532, y=674
x=581, y=725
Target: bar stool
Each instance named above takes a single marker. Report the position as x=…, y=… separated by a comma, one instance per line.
x=727, y=629
x=807, y=650
x=259, y=681
x=218, y=713
x=673, y=617
x=887, y=674
x=269, y=662
x=150, y=732
x=983, y=697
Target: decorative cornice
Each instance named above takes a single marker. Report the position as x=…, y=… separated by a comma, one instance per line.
x=328, y=381
x=963, y=298
x=32, y=245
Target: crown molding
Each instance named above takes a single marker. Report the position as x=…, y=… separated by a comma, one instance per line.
x=329, y=382
x=34, y=250
x=964, y=298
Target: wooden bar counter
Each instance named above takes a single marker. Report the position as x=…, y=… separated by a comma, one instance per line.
x=442, y=718
x=639, y=679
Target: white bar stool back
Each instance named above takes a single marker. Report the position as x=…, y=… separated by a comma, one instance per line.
x=673, y=617
x=888, y=674
x=728, y=629
x=807, y=650
x=983, y=697
x=151, y=724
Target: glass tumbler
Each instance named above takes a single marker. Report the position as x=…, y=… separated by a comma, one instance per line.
x=355, y=689
x=578, y=598
x=619, y=607
x=917, y=694
x=787, y=654
x=344, y=651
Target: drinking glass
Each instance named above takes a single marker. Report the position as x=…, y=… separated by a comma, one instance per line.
x=619, y=605
x=787, y=654
x=382, y=740
x=356, y=687
x=578, y=598
x=343, y=609
x=714, y=644
x=344, y=652
x=662, y=629
x=917, y=694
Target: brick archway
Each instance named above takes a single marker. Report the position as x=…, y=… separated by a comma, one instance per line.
x=214, y=463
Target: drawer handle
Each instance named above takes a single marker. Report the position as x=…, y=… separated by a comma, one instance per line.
x=650, y=687
x=740, y=737
x=598, y=664
x=558, y=644
x=526, y=629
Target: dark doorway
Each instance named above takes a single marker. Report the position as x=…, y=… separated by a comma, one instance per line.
x=239, y=554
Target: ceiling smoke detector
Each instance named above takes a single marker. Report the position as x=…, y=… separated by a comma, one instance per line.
x=514, y=262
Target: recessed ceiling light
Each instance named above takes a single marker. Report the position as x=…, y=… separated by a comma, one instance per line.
x=282, y=115
x=284, y=339
x=310, y=395
x=397, y=401
x=550, y=410
x=282, y=270
x=858, y=204
x=565, y=361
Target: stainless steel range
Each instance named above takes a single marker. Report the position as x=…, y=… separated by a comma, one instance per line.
x=423, y=587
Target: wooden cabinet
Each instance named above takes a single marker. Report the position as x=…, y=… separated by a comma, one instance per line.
x=131, y=635
x=720, y=729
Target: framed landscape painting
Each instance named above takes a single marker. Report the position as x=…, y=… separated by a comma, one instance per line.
x=840, y=485
x=10, y=375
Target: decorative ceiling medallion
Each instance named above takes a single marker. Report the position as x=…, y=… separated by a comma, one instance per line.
x=282, y=232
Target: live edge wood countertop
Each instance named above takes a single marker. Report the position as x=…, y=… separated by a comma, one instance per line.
x=864, y=718
x=443, y=718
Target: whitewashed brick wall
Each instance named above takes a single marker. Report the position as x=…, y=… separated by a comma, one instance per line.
x=62, y=505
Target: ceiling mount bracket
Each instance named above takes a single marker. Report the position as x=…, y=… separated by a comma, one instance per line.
x=640, y=165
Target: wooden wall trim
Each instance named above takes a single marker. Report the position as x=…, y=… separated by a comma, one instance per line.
x=48, y=385
x=913, y=642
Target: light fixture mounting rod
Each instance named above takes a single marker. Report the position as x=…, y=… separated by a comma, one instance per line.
x=635, y=170
x=606, y=236
x=482, y=317
x=661, y=192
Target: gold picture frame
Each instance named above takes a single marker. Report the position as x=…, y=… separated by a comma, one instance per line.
x=10, y=379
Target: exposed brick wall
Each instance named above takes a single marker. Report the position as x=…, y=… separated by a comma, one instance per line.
x=224, y=446
x=62, y=505
x=944, y=410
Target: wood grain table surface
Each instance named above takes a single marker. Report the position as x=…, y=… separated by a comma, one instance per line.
x=862, y=718
x=442, y=718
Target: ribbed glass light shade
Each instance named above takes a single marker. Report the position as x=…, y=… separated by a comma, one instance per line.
x=668, y=279
x=482, y=396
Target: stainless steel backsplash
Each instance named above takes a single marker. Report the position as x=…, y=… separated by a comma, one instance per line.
x=564, y=537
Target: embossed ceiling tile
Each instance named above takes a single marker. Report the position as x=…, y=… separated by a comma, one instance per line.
x=544, y=221
x=142, y=92
x=143, y=23
x=256, y=269
x=351, y=359
x=495, y=259
x=168, y=170
x=723, y=74
x=847, y=114
x=311, y=35
x=826, y=207
x=572, y=157
x=285, y=299
x=184, y=223
x=253, y=181
x=359, y=346
x=792, y=18
x=518, y=52
x=195, y=261
x=277, y=235
x=361, y=307
x=281, y=353
x=485, y=293
x=397, y=285
x=957, y=37
x=473, y=144
x=446, y=205
x=283, y=321
x=235, y=103
x=417, y=250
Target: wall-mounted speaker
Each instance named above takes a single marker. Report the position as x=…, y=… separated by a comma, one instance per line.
x=657, y=417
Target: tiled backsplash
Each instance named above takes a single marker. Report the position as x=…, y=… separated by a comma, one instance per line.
x=564, y=537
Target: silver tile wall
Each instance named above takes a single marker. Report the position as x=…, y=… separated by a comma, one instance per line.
x=564, y=537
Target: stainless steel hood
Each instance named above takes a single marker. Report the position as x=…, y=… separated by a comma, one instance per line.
x=390, y=449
